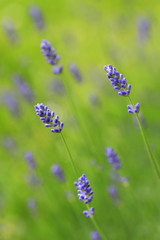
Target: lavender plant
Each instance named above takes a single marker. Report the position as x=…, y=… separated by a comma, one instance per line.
x=120, y=84
x=58, y=172
x=37, y=17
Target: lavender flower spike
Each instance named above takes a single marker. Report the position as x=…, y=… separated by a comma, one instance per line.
x=58, y=172
x=113, y=159
x=29, y=159
x=51, y=56
x=133, y=110
x=85, y=193
x=117, y=80
x=47, y=117
x=95, y=236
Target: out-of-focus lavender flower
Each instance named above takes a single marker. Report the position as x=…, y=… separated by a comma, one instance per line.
x=112, y=190
x=117, y=80
x=123, y=180
x=10, y=31
x=11, y=103
x=93, y=99
x=28, y=155
x=23, y=87
x=31, y=203
x=95, y=236
x=75, y=72
x=46, y=116
x=143, y=29
x=58, y=172
x=132, y=109
x=37, y=17
x=57, y=86
x=51, y=56
x=85, y=193
x=32, y=180
x=8, y=143
x=113, y=159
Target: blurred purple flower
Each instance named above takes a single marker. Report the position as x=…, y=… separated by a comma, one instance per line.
x=95, y=236
x=113, y=159
x=75, y=72
x=143, y=29
x=10, y=31
x=23, y=87
x=10, y=101
x=37, y=17
x=112, y=190
x=29, y=159
x=58, y=172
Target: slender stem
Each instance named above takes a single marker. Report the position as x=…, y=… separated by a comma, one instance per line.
x=70, y=156
x=153, y=160
x=96, y=225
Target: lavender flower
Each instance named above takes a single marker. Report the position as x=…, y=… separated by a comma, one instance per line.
x=11, y=102
x=135, y=109
x=58, y=172
x=10, y=31
x=117, y=80
x=51, y=56
x=95, y=236
x=36, y=14
x=32, y=205
x=46, y=116
x=113, y=193
x=74, y=70
x=143, y=29
x=112, y=158
x=57, y=86
x=23, y=87
x=85, y=193
x=29, y=159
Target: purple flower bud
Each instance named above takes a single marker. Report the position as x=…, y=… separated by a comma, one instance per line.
x=37, y=17
x=29, y=159
x=95, y=236
x=58, y=172
x=74, y=70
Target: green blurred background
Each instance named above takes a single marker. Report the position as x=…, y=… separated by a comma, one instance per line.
x=91, y=34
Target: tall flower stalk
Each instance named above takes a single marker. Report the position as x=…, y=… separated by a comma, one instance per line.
x=120, y=84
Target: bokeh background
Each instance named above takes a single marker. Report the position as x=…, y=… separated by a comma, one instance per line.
x=35, y=204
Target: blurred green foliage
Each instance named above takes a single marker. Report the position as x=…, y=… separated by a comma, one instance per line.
x=90, y=33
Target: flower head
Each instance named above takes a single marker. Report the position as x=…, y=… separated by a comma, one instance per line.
x=132, y=109
x=37, y=17
x=47, y=117
x=112, y=190
x=51, y=56
x=74, y=70
x=117, y=80
x=58, y=172
x=29, y=159
x=94, y=235
x=85, y=193
x=113, y=159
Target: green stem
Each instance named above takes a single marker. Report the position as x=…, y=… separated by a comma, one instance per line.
x=70, y=156
x=96, y=226
x=153, y=160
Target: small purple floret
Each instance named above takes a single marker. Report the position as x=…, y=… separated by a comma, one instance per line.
x=58, y=172
x=95, y=236
x=136, y=109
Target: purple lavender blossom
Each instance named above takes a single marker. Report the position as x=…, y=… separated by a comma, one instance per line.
x=46, y=116
x=10, y=101
x=95, y=236
x=23, y=87
x=112, y=190
x=57, y=86
x=132, y=109
x=123, y=180
x=113, y=159
x=29, y=159
x=117, y=80
x=10, y=31
x=51, y=56
x=58, y=172
x=74, y=70
x=85, y=193
x=143, y=29
x=37, y=17
x=32, y=205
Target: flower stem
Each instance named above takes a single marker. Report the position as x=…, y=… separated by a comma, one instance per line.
x=152, y=158
x=70, y=156
x=96, y=226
